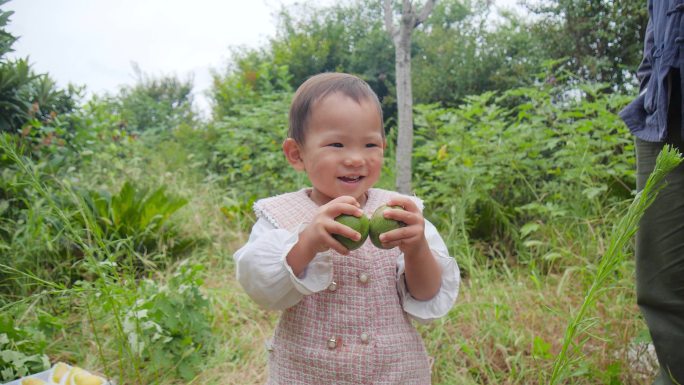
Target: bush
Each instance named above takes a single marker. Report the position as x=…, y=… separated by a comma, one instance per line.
x=526, y=157
x=48, y=227
x=22, y=350
x=136, y=214
x=155, y=104
x=248, y=157
x=169, y=325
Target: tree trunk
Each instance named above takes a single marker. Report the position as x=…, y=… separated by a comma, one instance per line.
x=404, y=149
x=401, y=37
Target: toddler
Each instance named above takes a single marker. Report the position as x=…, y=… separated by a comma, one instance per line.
x=346, y=315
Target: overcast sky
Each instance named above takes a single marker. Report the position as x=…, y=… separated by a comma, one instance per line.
x=95, y=42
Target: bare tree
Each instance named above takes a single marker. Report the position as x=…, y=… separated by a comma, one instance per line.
x=409, y=19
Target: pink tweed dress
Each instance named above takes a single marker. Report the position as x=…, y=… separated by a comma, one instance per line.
x=355, y=331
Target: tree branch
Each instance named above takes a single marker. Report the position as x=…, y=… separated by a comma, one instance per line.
x=389, y=19
x=407, y=8
x=425, y=12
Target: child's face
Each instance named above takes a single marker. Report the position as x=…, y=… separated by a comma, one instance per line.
x=343, y=149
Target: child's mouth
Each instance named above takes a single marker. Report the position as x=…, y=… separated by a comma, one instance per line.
x=351, y=179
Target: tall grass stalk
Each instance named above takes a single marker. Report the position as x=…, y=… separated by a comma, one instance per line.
x=456, y=229
x=622, y=233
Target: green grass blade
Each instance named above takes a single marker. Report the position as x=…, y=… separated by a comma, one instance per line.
x=667, y=160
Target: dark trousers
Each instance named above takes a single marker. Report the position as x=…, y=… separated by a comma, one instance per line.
x=660, y=252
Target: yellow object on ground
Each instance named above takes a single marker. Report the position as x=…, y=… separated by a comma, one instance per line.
x=32, y=381
x=78, y=376
x=85, y=378
x=58, y=372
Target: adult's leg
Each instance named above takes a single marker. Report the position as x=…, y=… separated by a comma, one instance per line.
x=660, y=256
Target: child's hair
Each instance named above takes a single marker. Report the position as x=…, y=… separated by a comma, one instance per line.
x=318, y=87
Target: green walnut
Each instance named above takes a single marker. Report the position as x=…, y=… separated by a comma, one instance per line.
x=379, y=224
x=360, y=224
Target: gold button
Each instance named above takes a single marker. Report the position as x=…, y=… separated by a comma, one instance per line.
x=332, y=286
x=363, y=278
x=364, y=337
x=332, y=343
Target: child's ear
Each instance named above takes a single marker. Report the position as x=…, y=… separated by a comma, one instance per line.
x=293, y=154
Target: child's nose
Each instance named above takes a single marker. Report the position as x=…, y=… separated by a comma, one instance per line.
x=353, y=160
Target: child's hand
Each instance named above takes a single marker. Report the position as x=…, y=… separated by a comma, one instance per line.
x=318, y=234
x=411, y=238
x=422, y=273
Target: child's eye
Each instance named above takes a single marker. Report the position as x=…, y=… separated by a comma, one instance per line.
x=372, y=145
x=339, y=145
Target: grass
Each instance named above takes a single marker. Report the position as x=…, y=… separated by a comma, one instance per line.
x=502, y=331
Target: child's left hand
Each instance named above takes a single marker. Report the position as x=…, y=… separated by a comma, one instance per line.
x=422, y=273
x=411, y=238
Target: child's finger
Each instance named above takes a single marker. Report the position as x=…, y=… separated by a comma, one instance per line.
x=336, y=245
x=339, y=208
x=409, y=218
x=388, y=241
x=345, y=199
x=397, y=235
x=407, y=203
x=343, y=230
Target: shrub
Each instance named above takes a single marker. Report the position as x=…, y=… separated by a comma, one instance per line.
x=22, y=350
x=169, y=325
x=527, y=156
x=248, y=157
x=135, y=214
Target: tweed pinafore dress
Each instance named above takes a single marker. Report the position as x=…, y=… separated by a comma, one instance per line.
x=355, y=331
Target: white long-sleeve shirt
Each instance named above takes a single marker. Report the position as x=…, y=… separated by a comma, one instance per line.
x=263, y=272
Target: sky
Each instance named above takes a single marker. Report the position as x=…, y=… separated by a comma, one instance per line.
x=96, y=43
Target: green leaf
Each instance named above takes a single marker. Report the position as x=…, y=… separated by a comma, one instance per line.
x=528, y=228
x=13, y=357
x=541, y=348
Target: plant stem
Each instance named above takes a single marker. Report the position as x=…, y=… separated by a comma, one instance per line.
x=622, y=233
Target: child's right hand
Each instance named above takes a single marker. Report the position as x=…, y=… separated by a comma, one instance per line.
x=318, y=234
